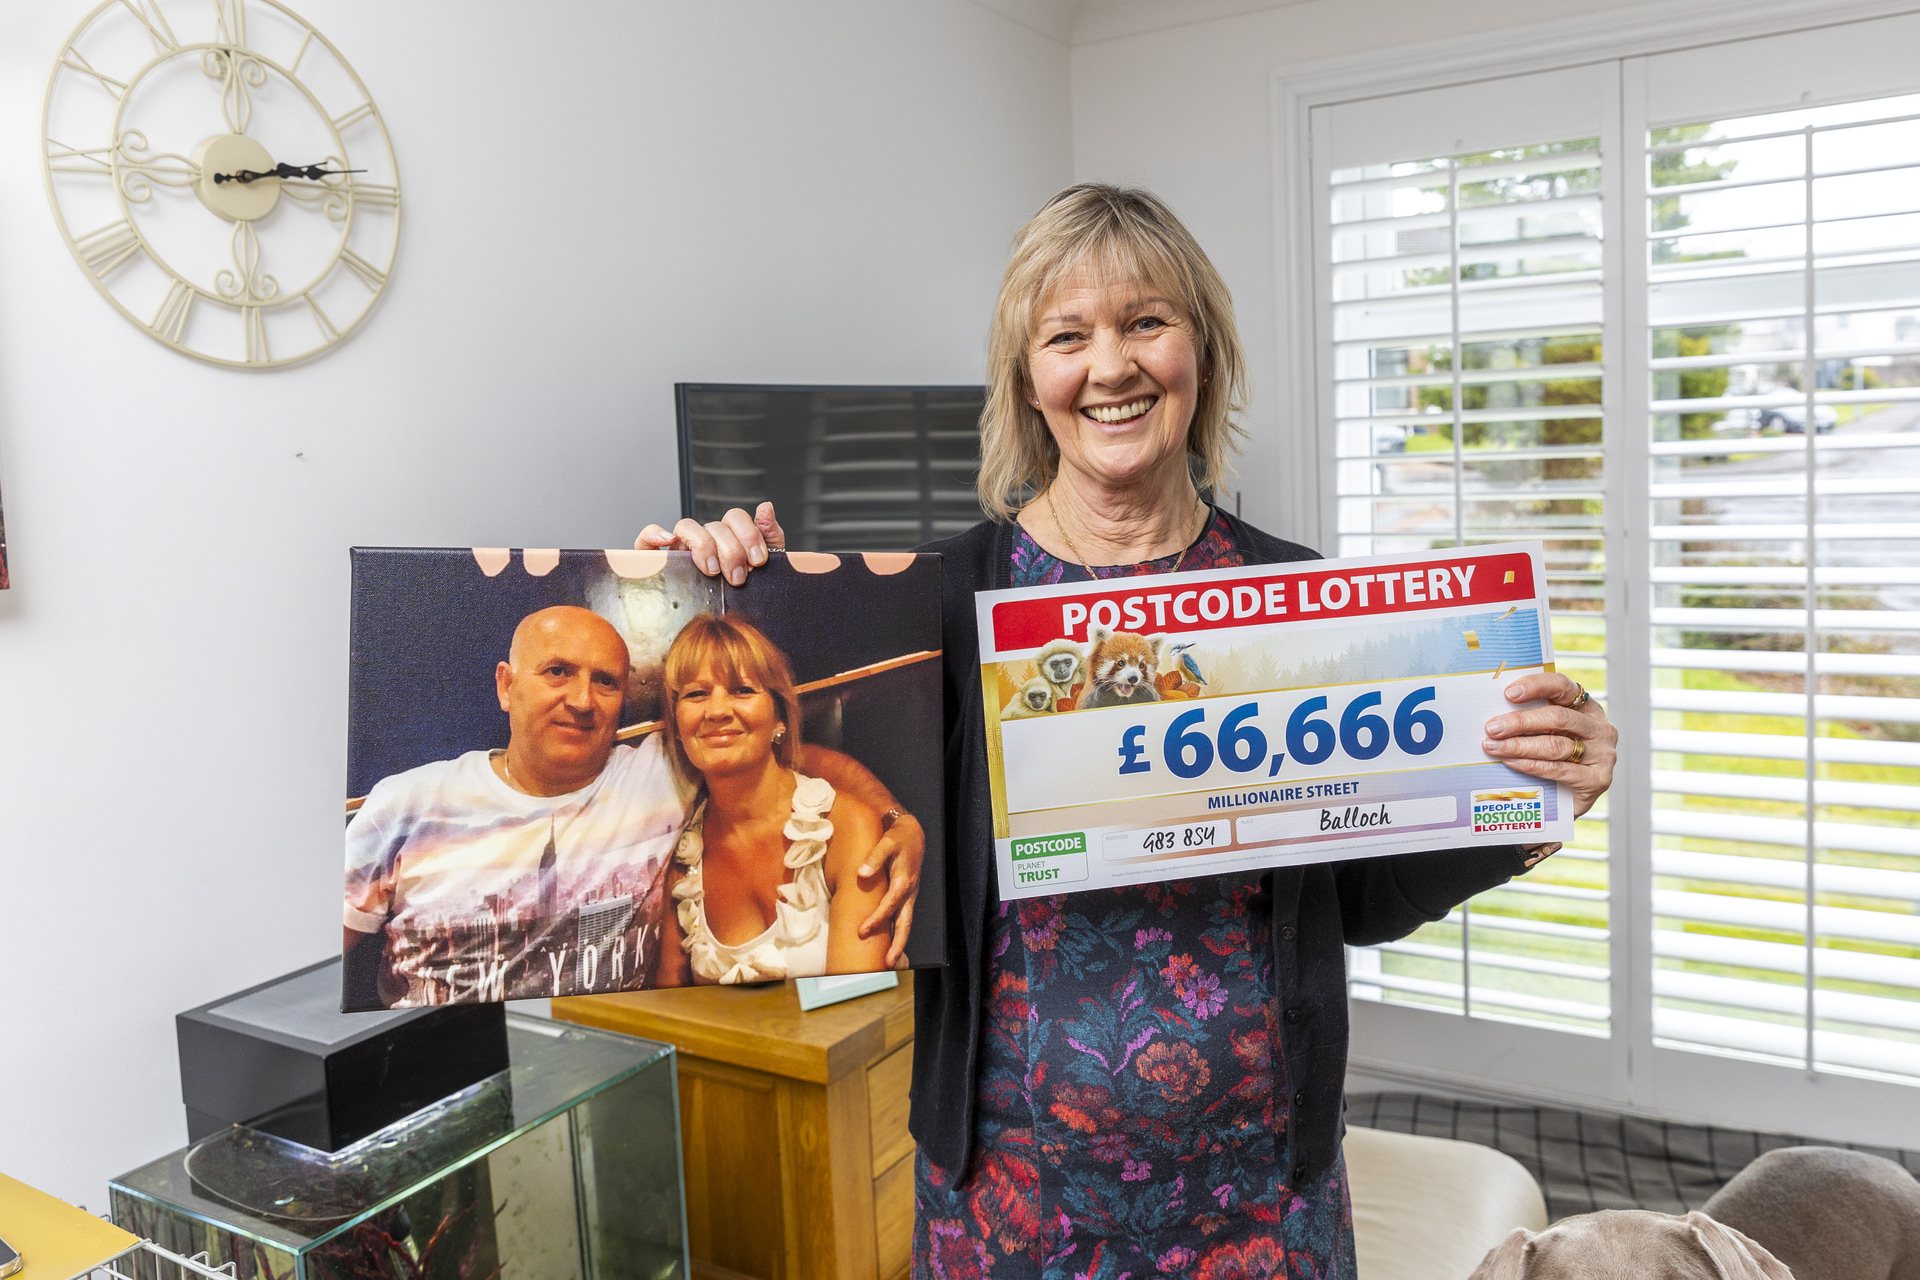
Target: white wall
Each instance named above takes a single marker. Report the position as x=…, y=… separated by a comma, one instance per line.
x=768, y=192
x=1186, y=111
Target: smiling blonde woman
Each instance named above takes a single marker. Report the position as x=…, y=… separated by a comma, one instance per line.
x=1141, y=1080
x=765, y=882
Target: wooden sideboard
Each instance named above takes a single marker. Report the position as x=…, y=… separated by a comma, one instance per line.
x=793, y=1125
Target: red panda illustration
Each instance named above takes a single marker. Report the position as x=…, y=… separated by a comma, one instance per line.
x=1122, y=667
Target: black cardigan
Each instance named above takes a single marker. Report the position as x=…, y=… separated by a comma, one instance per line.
x=1317, y=910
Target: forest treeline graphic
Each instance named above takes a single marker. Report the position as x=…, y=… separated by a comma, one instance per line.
x=1373, y=652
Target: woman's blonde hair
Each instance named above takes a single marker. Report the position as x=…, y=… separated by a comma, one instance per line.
x=1117, y=233
x=738, y=653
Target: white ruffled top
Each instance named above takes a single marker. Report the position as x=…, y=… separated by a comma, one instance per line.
x=795, y=944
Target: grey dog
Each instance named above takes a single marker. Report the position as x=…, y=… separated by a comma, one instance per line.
x=1829, y=1214
x=1630, y=1244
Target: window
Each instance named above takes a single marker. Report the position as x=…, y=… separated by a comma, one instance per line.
x=1663, y=314
x=1783, y=323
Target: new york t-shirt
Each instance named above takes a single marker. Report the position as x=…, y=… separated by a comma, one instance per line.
x=486, y=893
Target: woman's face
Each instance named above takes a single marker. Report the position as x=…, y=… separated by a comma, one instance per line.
x=725, y=726
x=1115, y=367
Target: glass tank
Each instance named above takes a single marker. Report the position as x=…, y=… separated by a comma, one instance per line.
x=566, y=1164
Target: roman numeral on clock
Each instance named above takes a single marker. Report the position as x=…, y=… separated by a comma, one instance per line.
x=147, y=13
x=62, y=158
x=376, y=195
x=256, y=329
x=108, y=247
x=370, y=275
x=328, y=329
x=170, y=322
x=74, y=60
x=233, y=22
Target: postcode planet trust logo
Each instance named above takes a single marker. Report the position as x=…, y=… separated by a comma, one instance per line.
x=1509, y=809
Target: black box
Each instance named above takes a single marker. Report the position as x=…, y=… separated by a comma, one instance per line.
x=281, y=1058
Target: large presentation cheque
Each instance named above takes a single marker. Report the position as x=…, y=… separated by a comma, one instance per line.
x=1165, y=727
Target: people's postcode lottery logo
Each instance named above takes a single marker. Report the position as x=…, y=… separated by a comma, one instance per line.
x=1513, y=809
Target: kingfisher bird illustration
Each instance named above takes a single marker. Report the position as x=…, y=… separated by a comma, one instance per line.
x=1188, y=667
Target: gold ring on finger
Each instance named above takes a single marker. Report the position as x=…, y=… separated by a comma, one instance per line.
x=1580, y=699
x=1579, y=751
x=1540, y=855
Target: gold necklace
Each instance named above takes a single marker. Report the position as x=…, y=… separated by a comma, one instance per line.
x=1054, y=511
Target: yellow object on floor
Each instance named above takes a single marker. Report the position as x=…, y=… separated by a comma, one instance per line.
x=56, y=1241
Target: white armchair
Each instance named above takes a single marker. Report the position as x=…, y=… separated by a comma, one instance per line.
x=1430, y=1208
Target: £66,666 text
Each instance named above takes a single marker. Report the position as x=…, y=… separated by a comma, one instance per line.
x=1361, y=729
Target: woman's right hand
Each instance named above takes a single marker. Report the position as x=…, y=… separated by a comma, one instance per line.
x=727, y=547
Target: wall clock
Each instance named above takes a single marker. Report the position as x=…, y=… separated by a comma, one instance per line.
x=222, y=176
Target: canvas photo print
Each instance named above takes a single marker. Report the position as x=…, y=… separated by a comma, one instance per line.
x=575, y=772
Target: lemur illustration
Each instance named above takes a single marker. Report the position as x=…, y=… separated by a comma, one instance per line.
x=1034, y=698
x=1061, y=664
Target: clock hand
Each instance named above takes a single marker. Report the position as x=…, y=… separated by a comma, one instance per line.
x=311, y=172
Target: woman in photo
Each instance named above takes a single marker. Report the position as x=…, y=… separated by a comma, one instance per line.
x=764, y=884
x=1142, y=1080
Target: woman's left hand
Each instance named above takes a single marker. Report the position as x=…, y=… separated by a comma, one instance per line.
x=1570, y=740
x=731, y=546
x=899, y=851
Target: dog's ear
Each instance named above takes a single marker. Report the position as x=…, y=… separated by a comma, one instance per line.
x=1511, y=1259
x=1734, y=1256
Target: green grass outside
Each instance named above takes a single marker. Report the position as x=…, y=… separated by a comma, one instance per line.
x=1594, y=914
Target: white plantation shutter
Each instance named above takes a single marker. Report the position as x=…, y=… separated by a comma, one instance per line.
x=1670, y=325
x=1466, y=295
x=1784, y=571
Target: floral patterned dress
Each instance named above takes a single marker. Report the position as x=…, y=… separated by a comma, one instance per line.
x=1129, y=1121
